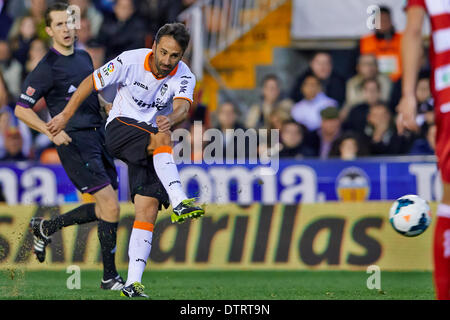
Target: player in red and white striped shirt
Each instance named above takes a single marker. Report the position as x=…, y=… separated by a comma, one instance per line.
x=439, y=13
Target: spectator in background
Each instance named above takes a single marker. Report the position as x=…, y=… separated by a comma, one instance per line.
x=227, y=117
x=5, y=21
x=348, y=147
x=121, y=31
x=321, y=66
x=271, y=99
x=276, y=119
x=89, y=12
x=292, y=137
x=385, y=44
x=357, y=117
x=7, y=122
x=21, y=37
x=307, y=111
x=381, y=133
x=38, y=49
x=366, y=69
x=97, y=53
x=11, y=69
x=84, y=34
x=322, y=139
x=13, y=145
x=425, y=145
x=425, y=103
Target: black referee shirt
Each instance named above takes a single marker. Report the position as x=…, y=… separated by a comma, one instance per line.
x=56, y=78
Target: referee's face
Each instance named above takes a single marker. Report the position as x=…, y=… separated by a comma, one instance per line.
x=167, y=53
x=61, y=33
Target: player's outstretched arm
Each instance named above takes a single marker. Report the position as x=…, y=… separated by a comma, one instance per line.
x=31, y=119
x=411, y=53
x=59, y=122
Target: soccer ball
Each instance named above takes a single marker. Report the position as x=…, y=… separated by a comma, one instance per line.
x=410, y=215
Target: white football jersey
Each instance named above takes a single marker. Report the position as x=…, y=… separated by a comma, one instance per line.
x=140, y=95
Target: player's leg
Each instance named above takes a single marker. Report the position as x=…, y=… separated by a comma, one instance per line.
x=160, y=147
x=140, y=244
x=441, y=252
x=43, y=229
x=108, y=207
x=441, y=241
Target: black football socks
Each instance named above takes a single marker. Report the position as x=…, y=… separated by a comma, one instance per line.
x=107, y=234
x=82, y=214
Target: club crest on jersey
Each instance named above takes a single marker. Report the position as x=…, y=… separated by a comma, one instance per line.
x=164, y=89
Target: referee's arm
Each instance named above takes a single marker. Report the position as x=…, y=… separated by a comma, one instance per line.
x=59, y=122
x=31, y=119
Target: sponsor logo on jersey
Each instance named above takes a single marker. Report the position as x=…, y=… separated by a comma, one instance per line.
x=182, y=89
x=143, y=86
x=185, y=77
x=107, y=70
x=154, y=104
x=27, y=98
x=184, y=82
x=30, y=91
x=72, y=88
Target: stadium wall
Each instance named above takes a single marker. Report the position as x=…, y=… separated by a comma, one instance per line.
x=316, y=236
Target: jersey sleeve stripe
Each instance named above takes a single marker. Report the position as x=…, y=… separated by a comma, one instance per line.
x=93, y=79
x=19, y=103
x=184, y=99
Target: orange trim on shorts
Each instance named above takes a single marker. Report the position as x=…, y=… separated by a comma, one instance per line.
x=162, y=149
x=143, y=225
x=133, y=125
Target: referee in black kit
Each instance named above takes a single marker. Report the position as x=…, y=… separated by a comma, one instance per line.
x=81, y=147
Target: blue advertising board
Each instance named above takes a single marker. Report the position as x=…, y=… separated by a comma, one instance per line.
x=293, y=181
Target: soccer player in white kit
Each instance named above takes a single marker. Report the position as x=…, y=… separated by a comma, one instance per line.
x=155, y=91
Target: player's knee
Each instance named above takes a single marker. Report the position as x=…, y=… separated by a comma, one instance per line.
x=110, y=210
x=159, y=140
x=146, y=211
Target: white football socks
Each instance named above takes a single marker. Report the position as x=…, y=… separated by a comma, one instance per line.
x=167, y=172
x=139, y=250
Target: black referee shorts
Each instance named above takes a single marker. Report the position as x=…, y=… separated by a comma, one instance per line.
x=127, y=140
x=87, y=162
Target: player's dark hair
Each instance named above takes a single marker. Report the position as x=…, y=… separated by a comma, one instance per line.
x=57, y=6
x=176, y=30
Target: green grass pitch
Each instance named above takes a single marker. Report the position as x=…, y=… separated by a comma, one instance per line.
x=224, y=285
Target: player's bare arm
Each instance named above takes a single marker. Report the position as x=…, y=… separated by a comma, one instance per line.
x=30, y=118
x=59, y=122
x=179, y=113
x=411, y=52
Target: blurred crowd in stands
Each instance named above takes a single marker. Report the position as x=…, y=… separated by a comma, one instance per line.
x=323, y=114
